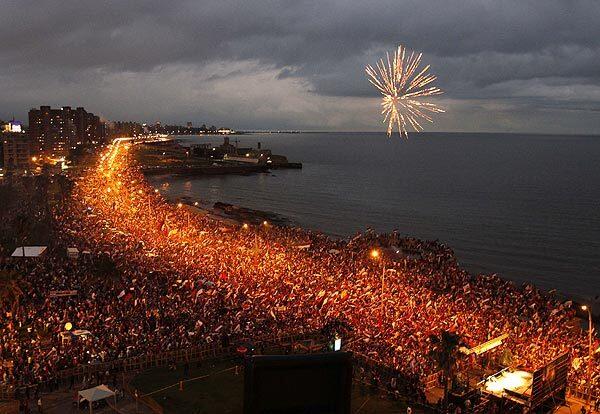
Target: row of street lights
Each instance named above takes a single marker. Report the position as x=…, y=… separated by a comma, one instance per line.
x=590, y=351
x=246, y=226
x=377, y=255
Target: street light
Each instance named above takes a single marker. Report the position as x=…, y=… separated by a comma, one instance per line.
x=591, y=351
x=375, y=255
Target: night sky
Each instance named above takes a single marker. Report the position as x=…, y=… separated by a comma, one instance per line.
x=507, y=66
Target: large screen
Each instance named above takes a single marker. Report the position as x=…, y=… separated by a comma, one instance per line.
x=551, y=381
x=298, y=384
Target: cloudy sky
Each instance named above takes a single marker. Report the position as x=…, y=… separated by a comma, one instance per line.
x=506, y=65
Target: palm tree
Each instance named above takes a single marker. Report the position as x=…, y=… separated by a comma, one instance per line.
x=106, y=270
x=445, y=354
x=10, y=291
x=43, y=334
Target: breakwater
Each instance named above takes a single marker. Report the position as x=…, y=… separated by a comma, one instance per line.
x=177, y=170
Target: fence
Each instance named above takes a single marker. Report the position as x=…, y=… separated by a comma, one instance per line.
x=145, y=400
x=216, y=353
x=409, y=389
x=365, y=367
x=582, y=393
x=432, y=380
x=139, y=363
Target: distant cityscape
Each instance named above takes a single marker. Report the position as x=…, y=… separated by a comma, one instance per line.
x=53, y=137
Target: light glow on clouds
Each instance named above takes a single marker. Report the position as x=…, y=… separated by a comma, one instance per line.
x=505, y=66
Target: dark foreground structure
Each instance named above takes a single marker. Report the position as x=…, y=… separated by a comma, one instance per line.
x=312, y=383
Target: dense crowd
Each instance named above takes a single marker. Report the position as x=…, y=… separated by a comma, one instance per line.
x=183, y=278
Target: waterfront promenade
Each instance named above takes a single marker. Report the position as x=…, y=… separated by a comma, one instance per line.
x=180, y=279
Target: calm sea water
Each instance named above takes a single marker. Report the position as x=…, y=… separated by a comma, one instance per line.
x=524, y=206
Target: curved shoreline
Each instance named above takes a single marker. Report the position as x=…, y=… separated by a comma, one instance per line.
x=259, y=217
x=245, y=282
x=271, y=281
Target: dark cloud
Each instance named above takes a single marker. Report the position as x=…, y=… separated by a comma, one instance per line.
x=534, y=54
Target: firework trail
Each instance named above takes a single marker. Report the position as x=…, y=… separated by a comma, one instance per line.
x=403, y=91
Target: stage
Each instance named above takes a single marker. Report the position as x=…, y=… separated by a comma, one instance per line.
x=511, y=384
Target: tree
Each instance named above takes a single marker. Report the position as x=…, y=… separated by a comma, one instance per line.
x=40, y=195
x=22, y=225
x=44, y=333
x=445, y=354
x=10, y=291
x=64, y=186
x=106, y=270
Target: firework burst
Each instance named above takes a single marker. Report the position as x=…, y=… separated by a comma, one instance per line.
x=403, y=86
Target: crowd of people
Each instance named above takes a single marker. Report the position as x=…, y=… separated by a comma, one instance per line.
x=181, y=278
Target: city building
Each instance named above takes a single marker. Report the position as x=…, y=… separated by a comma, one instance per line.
x=12, y=126
x=121, y=129
x=55, y=132
x=16, y=151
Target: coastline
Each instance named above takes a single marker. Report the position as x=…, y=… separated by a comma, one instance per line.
x=190, y=171
x=256, y=217
x=291, y=274
x=232, y=214
x=518, y=269
x=173, y=157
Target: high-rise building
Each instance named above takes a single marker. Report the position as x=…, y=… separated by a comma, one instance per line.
x=16, y=151
x=54, y=132
x=120, y=129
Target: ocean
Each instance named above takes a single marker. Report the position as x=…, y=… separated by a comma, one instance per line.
x=526, y=207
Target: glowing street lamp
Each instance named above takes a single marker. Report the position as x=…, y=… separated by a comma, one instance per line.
x=376, y=255
x=179, y=205
x=245, y=226
x=591, y=351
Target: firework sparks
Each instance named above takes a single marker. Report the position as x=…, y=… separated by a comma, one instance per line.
x=403, y=91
